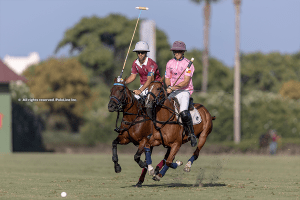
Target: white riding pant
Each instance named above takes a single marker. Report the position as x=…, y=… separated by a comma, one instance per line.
x=183, y=97
x=144, y=93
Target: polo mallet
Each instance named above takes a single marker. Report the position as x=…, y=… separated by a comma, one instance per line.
x=190, y=64
x=139, y=8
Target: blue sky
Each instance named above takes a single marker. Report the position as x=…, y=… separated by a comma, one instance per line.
x=266, y=26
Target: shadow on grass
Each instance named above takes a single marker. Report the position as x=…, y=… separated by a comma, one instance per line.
x=183, y=185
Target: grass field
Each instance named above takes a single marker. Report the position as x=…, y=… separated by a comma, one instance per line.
x=91, y=176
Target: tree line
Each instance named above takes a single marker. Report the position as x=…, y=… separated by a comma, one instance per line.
x=99, y=47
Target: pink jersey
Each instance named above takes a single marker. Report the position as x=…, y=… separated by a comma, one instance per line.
x=175, y=68
x=148, y=66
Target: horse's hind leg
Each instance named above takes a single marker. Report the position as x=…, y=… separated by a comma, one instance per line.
x=202, y=140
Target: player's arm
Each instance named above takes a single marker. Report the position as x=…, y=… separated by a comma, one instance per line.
x=184, y=83
x=168, y=82
x=130, y=78
x=150, y=78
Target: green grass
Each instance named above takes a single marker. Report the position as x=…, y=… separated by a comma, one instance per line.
x=91, y=176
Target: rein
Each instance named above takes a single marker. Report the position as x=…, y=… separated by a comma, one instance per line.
x=159, y=101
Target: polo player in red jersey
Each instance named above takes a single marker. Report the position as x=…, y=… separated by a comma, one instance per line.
x=145, y=67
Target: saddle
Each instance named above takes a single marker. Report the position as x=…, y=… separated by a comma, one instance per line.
x=196, y=118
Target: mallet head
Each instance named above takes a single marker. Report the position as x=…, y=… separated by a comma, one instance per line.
x=141, y=8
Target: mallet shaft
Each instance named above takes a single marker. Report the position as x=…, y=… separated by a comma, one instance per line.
x=189, y=65
x=139, y=8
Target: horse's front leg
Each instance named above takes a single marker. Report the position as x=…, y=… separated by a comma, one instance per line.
x=148, y=152
x=137, y=156
x=170, y=155
x=202, y=140
x=156, y=171
x=115, y=159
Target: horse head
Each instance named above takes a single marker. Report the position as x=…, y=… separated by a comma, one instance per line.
x=156, y=94
x=119, y=95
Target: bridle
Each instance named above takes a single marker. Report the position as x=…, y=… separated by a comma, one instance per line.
x=122, y=102
x=158, y=101
x=160, y=98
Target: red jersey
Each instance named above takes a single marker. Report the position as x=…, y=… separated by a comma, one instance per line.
x=148, y=66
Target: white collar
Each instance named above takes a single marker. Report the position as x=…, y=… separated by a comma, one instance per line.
x=139, y=64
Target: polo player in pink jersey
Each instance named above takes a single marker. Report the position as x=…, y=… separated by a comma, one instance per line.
x=145, y=67
x=183, y=88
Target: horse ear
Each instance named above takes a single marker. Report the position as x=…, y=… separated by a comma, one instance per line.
x=125, y=80
x=162, y=79
x=115, y=80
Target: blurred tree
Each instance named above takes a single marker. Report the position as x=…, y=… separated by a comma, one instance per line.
x=205, y=54
x=267, y=72
x=20, y=90
x=102, y=44
x=261, y=111
x=61, y=78
x=220, y=76
x=291, y=89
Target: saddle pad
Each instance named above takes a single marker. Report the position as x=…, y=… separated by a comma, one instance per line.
x=195, y=116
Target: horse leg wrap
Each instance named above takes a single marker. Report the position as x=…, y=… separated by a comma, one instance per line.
x=115, y=158
x=193, y=158
x=173, y=165
x=156, y=171
x=148, y=156
x=115, y=154
x=139, y=162
x=164, y=170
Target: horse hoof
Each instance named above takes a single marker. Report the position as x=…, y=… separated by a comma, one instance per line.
x=156, y=178
x=179, y=163
x=139, y=184
x=187, y=169
x=118, y=168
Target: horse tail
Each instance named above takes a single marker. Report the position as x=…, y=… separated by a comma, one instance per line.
x=213, y=118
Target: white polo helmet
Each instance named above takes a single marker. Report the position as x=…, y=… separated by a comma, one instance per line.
x=141, y=46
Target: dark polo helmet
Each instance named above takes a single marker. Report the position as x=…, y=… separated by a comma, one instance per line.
x=178, y=46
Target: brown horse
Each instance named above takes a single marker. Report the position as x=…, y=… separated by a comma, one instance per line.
x=164, y=115
x=135, y=126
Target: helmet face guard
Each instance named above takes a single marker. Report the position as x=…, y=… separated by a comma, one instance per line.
x=141, y=46
x=178, y=46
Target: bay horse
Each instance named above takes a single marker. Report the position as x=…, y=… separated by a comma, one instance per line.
x=164, y=115
x=135, y=127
